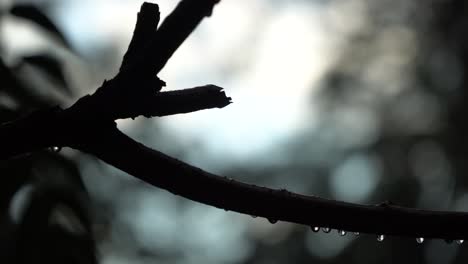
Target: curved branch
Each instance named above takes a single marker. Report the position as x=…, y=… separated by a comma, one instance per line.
x=191, y=182
x=107, y=143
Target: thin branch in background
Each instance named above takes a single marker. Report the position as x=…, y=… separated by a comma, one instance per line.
x=175, y=28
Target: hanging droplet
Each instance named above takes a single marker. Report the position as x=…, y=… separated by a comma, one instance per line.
x=380, y=238
x=356, y=233
x=420, y=240
x=273, y=221
x=315, y=228
x=326, y=229
x=56, y=148
x=459, y=241
x=342, y=232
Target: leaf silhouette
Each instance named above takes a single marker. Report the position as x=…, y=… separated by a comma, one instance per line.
x=36, y=15
x=49, y=65
x=17, y=89
x=11, y=85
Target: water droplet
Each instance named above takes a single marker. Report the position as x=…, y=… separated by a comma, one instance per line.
x=342, y=232
x=459, y=241
x=380, y=238
x=56, y=148
x=356, y=233
x=273, y=221
x=420, y=240
x=326, y=229
x=315, y=228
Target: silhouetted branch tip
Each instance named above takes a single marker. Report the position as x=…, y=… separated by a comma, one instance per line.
x=143, y=34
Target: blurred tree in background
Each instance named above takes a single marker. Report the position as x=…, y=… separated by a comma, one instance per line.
x=383, y=119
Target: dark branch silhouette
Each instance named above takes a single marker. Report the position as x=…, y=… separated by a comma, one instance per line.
x=89, y=126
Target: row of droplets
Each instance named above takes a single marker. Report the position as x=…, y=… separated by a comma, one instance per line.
x=341, y=232
x=380, y=237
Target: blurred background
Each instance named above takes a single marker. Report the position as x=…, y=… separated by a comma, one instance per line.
x=356, y=100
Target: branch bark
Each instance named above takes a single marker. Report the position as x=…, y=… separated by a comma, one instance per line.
x=89, y=126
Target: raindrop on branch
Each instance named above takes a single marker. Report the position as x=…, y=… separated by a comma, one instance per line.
x=315, y=228
x=273, y=221
x=380, y=238
x=56, y=148
x=459, y=241
x=326, y=229
x=356, y=233
x=342, y=232
x=420, y=240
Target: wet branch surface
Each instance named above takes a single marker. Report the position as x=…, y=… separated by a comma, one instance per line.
x=89, y=126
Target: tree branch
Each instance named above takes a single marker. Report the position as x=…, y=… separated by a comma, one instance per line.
x=176, y=28
x=89, y=126
x=145, y=29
